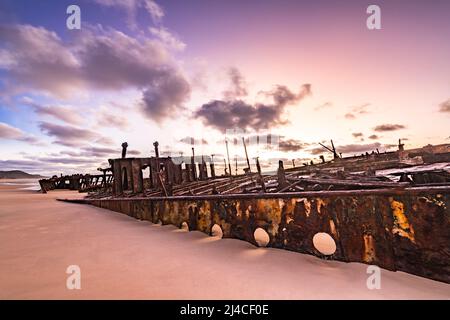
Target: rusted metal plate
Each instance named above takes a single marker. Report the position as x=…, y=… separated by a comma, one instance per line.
x=406, y=229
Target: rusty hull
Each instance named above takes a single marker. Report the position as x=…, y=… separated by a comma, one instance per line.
x=406, y=229
x=80, y=182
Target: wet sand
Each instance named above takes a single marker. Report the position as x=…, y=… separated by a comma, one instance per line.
x=123, y=258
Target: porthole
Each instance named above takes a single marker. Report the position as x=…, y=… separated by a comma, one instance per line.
x=324, y=243
x=261, y=237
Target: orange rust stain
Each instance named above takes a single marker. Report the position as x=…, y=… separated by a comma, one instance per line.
x=320, y=204
x=369, y=249
x=247, y=211
x=289, y=206
x=289, y=209
x=204, y=217
x=402, y=227
x=238, y=209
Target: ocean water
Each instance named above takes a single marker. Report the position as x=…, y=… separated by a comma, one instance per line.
x=22, y=184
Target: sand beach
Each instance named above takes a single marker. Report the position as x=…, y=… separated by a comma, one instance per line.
x=124, y=258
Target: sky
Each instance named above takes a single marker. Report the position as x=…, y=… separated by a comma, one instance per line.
x=195, y=73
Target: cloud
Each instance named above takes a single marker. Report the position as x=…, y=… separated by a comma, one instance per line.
x=95, y=59
x=132, y=6
x=68, y=135
x=106, y=119
x=358, y=148
x=445, y=106
x=96, y=152
x=31, y=166
x=133, y=152
x=163, y=99
x=356, y=111
x=87, y=157
x=374, y=137
x=38, y=59
x=350, y=116
x=317, y=151
x=291, y=145
x=238, y=85
x=51, y=165
x=353, y=148
x=228, y=114
x=101, y=152
x=388, y=127
x=325, y=105
x=13, y=164
x=11, y=133
x=154, y=9
x=69, y=160
x=193, y=141
x=168, y=38
x=62, y=113
x=105, y=141
x=116, y=61
x=357, y=134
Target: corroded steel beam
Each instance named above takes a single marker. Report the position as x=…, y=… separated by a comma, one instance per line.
x=367, y=192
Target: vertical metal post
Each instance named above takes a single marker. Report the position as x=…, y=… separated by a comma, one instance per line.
x=246, y=155
x=228, y=156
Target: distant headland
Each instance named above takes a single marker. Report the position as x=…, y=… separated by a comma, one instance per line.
x=17, y=174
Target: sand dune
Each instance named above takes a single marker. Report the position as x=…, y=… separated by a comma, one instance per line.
x=123, y=258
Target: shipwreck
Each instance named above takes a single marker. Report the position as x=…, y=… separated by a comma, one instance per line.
x=388, y=209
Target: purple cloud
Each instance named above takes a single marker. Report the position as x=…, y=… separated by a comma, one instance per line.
x=227, y=114
x=389, y=127
x=40, y=61
x=357, y=111
x=291, y=145
x=11, y=133
x=445, y=106
x=69, y=135
x=58, y=112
